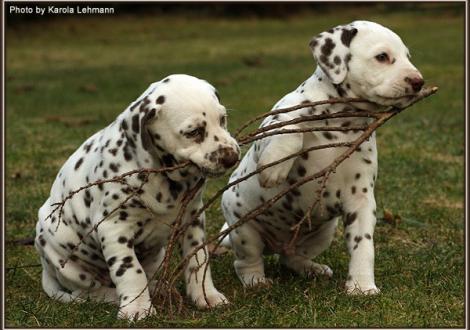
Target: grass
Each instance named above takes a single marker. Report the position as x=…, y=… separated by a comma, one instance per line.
x=69, y=77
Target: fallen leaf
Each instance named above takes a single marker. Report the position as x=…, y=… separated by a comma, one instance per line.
x=89, y=88
x=253, y=61
x=388, y=216
x=16, y=175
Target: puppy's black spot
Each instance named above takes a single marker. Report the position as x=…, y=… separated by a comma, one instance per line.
x=328, y=47
x=328, y=135
x=78, y=163
x=114, y=167
x=160, y=99
x=168, y=160
x=175, y=188
x=313, y=43
x=87, y=199
x=124, y=125
x=357, y=239
x=111, y=261
x=350, y=218
x=301, y=171
x=135, y=123
x=123, y=215
x=347, y=36
x=347, y=58
x=120, y=271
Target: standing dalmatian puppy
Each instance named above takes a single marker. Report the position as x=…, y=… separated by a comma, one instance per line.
x=362, y=59
x=173, y=121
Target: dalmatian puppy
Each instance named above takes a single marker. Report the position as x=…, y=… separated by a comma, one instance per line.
x=175, y=120
x=361, y=59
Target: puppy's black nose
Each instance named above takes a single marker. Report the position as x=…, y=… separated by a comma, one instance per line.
x=229, y=158
x=415, y=82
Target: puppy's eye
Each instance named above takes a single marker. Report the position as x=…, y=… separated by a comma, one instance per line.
x=382, y=58
x=195, y=132
x=223, y=121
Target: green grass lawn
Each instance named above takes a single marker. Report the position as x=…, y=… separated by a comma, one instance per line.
x=68, y=78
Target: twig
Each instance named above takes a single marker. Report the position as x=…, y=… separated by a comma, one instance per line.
x=248, y=139
x=297, y=107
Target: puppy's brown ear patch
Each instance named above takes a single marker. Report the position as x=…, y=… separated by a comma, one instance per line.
x=347, y=35
x=331, y=51
x=144, y=131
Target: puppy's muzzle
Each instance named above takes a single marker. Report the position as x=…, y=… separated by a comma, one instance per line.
x=416, y=83
x=228, y=157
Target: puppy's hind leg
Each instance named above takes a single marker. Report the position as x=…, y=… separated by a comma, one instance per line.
x=248, y=247
x=302, y=262
x=53, y=288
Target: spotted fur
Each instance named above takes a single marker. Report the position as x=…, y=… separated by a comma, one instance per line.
x=348, y=65
x=117, y=261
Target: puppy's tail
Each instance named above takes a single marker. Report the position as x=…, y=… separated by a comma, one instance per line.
x=226, y=240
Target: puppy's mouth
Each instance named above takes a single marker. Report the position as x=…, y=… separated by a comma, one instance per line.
x=208, y=172
x=398, y=98
x=394, y=100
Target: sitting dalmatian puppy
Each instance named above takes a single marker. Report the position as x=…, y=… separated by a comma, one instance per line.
x=362, y=59
x=173, y=121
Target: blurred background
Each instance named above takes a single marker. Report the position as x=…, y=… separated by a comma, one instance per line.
x=68, y=76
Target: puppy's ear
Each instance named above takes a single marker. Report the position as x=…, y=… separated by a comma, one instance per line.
x=331, y=51
x=148, y=112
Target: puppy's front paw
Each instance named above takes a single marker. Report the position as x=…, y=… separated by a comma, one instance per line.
x=136, y=311
x=213, y=299
x=319, y=270
x=274, y=175
x=256, y=280
x=354, y=289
